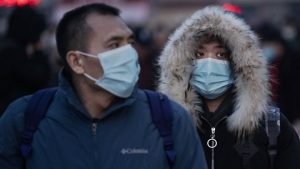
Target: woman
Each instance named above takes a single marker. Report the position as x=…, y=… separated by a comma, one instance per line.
x=213, y=66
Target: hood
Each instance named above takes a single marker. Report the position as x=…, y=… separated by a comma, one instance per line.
x=249, y=67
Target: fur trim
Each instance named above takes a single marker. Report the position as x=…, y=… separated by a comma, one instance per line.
x=249, y=67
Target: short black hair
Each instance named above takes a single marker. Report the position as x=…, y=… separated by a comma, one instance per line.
x=72, y=30
x=25, y=25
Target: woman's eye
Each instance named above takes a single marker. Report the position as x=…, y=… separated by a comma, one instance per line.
x=222, y=55
x=199, y=55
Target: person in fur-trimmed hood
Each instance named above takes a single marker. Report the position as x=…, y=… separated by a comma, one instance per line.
x=213, y=66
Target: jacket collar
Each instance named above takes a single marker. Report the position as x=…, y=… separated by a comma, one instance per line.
x=67, y=89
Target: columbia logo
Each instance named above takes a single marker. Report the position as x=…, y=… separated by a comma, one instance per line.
x=134, y=151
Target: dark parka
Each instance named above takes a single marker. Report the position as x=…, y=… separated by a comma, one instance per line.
x=241, y=115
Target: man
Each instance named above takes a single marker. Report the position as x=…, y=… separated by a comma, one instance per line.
x=24, y=65
x=98, y=118
x=213, y=66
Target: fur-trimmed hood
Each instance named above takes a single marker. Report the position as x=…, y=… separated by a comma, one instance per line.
x=249, y=67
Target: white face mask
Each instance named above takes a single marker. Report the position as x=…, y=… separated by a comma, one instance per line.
x=120, y=70
x=211, y=77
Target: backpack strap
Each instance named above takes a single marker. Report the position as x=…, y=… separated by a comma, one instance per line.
x=162, y=117
x=246, y=149
x=272, y=123
x=34, y=113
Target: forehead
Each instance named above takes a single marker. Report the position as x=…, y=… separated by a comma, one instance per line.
x=105, y=26
x=212, y=44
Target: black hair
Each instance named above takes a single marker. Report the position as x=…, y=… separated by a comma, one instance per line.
x=73, y=32
x=25, y=25
x=209, y=37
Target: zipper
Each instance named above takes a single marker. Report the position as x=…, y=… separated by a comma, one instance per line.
x=94, y=129
x=212, y=142
x=94, y=134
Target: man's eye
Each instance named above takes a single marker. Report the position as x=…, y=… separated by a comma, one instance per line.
x=114, y=45
x=133, y=42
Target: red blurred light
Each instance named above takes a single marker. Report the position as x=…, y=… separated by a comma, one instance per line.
x=12, y=3
x=22, y=2
x=232, y=8
x=9, y=3
x=34, y=2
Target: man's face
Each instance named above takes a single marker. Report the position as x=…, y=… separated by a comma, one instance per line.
x=107, y=33
x=212, y=50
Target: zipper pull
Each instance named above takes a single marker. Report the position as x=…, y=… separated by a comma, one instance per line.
x=212, y=142
x=94, y=128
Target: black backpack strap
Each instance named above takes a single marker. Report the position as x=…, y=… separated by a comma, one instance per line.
x=246, y=149
x=272, y=123
x=162, y=117
x=34, y=113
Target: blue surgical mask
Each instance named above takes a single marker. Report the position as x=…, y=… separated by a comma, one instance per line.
x=211, y=77
x=269, y=53
x=120, y=70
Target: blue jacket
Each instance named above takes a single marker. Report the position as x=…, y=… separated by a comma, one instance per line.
x=67, y=138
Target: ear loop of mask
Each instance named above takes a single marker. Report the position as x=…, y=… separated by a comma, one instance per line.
x=85, y=74
x=86, y=54
x=90, y=77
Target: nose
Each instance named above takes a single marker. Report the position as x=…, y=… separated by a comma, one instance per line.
x=209, y=55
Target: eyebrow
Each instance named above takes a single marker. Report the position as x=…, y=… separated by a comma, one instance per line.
x=114, y=38
x=218, y=46
x=118, y=38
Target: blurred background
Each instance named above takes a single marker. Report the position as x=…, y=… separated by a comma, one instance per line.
x=276, y=22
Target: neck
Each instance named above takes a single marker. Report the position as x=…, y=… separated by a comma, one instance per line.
x=94, y=99
x=215, y=103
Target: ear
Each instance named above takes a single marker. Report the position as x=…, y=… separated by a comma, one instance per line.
x=75, y=62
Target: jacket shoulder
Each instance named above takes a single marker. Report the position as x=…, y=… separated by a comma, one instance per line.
x=11, y=126
x=14, y=113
